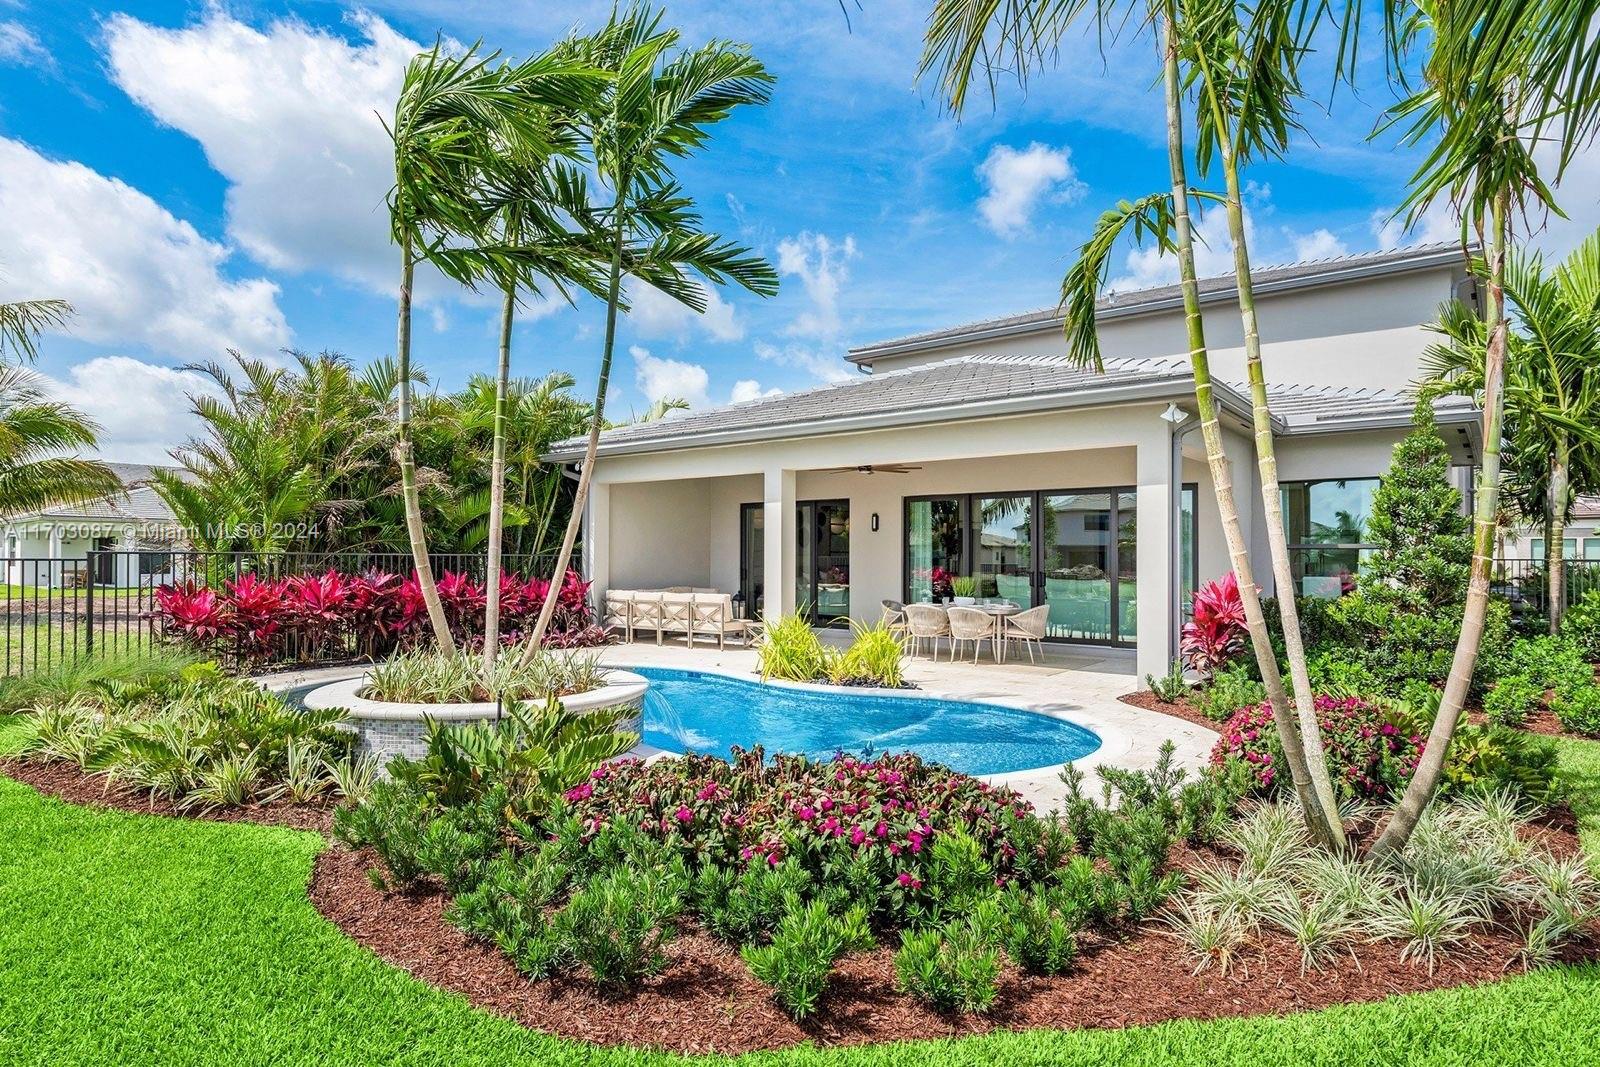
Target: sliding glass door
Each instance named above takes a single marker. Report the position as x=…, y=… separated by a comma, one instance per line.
x=1079, y=560
x=1074, y=550
x=822, y=559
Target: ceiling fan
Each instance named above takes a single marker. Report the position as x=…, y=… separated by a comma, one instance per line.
x=868, y=468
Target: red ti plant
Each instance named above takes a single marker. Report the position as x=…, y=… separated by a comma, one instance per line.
x=258, y=612
x=378, y=613
x=1215, y=632
x=316, y=604
x=463, y=600
x=193, y=612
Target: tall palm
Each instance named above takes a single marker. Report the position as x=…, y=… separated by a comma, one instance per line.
x=548, y=242
x=1019, y=35
x=1245, y=68
x=34, y=432
x=454, y=118
x=657, y=106
x=1498, y=76
x=1552, y=389
x=23, y=321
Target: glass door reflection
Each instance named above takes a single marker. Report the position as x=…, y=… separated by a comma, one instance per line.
x=1077, y=564
x=1003, y=563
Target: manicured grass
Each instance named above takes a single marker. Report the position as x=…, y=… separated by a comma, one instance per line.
x=139, y=940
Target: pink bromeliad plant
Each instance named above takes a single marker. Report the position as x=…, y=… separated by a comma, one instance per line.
x=1215, y=634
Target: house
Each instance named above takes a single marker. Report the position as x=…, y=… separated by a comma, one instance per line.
x=51, y=547
x=982, y=450
x=1580, y=540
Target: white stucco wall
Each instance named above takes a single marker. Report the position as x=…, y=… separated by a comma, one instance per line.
x=1365, y=333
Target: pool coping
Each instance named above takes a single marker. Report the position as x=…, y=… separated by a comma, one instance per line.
x=1115, y=743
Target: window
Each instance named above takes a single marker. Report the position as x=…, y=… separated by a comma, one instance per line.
x=1591, y=548
x=1326, y=523
x=1569, y=548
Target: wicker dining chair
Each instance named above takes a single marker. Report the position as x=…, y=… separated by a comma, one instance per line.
x=1028, y=627
x=926, y=622
x=894, y=617
x=970, y=624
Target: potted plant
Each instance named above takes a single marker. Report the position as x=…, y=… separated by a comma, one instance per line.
x=939, y=585
x=965, y=590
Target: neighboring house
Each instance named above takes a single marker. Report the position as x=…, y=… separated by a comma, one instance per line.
x=51, y=547
x=982, y=450
x=1580, y=540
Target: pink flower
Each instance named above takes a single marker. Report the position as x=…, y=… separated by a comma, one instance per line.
x=807, y=814
x=857, y=836
x=909, y=882
x=683, y=814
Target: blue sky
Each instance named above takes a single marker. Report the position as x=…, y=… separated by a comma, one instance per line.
x=200, y=176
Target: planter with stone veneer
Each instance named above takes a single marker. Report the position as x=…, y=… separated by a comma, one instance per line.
x=391, y=728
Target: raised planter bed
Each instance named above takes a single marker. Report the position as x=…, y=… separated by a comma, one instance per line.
x=390, y=728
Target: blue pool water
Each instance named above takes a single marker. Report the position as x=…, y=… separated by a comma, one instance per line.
x=709, y=713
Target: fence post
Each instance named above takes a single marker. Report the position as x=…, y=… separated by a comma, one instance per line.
x=88, y=605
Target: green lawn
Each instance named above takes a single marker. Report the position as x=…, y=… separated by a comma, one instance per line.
x=141, y=940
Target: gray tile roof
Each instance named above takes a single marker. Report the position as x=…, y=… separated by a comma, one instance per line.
x=974, y=385
x=1305, y=408
x=1265, y=279
x=138, y=504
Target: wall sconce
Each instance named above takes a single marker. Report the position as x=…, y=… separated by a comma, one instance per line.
x=874, y=522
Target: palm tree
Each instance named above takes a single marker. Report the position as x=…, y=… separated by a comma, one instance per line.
x=656, y=107
x=34, y=430
x=22, y=322
x=1552, y=390
x=1018, y=35
x=454, y=119
x=1497, y=77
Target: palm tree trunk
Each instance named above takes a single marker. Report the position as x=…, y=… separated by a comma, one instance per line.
x=497, y=488
x=1425, y=781
x=408, y=465
x=1211, y=428
x=1555, y=536
x=597, y=421
x=1325, y=824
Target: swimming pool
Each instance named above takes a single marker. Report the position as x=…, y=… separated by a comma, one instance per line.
x=709, y=713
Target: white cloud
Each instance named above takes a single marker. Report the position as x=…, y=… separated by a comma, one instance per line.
x=749, y=389
x=1213, y=254
x=290, y=116
x=142, y=408
x=134, y=272
x=823, y=266
x=655, y=314
x=1318, y=244
x=1017, y=180
x=1437, y=223
x=669, y=379
x=829, y=367
x=19, y=45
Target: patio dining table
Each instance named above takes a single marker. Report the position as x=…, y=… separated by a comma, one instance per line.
x=999, y=609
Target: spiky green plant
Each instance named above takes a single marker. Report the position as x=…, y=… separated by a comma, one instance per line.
x=791, y=650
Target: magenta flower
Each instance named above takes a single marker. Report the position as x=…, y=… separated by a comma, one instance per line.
x=683, y=814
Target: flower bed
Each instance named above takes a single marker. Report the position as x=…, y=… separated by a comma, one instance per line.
x=371, y=614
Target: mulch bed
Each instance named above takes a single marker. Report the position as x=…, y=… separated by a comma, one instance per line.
x=707, y=1001
x=66, y=781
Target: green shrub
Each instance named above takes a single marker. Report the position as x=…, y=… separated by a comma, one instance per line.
x=1038, y=930
x=618, y=925
x=1550, y=662
x=958, y=875
x=535, y=753
x=1581, y=625
x=110, y=679
x=1578, y=708
x=807, y=942
x=391, y=821
x=876, y=657
x=1228, y=691
x=1171, y=688
x=1397, y=646
x=507, y=909
x=1511, y=699
x=791, y=651
x=745, y=907
x=953, y=968
x=1341, y=671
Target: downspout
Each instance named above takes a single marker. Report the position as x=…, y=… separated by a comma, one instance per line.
x=1180, y=425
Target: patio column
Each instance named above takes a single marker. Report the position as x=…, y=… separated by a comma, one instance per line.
x=596, y=562
x=1154, y=548
x=778, y=542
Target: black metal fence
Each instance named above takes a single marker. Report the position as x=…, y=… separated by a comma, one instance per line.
x=1524, y=584
x=57, y=611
